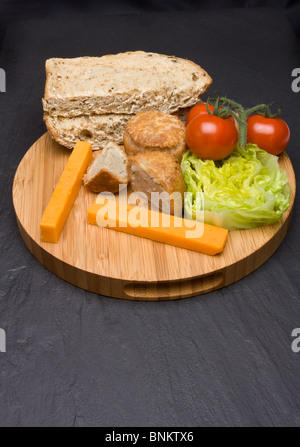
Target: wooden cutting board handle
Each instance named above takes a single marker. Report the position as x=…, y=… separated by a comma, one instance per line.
x=174, y=290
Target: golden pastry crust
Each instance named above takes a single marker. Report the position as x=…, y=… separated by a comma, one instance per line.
x=156, y=172
x=155, y=131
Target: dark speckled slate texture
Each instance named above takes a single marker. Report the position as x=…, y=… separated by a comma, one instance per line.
x=77, y=359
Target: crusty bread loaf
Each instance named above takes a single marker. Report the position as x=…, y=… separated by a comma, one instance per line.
x=158, y=172
x=108, y=170
x=155, y=131
x=124, y=83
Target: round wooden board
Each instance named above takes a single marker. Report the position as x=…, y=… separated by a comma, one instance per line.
x=124, y=266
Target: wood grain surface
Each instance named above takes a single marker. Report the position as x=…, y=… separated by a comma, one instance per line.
x=125, y=266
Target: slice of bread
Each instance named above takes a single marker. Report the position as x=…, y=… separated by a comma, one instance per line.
x=125, y=83
x=96, y=129
x=108, y=170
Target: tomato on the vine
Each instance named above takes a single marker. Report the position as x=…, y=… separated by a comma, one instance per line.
x=270, y=134
x=201, y=109
x=211, y=137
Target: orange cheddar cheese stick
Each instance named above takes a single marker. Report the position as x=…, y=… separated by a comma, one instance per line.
x=65, y=193
x=158, y=227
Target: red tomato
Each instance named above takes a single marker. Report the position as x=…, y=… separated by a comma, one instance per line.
x=270, y=134
x=211, y=137
x=200, y=109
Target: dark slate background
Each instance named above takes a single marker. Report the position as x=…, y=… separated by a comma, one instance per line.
x=78, y=359
x=11, y=10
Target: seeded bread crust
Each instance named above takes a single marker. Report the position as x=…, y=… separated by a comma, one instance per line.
x=155, y=131
x=125, y=83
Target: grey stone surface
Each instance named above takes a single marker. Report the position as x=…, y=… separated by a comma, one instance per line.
x=78, y=359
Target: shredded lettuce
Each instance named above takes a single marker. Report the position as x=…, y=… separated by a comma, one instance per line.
x=243, y=191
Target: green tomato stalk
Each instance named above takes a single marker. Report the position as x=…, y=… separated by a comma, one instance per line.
x=224, y=108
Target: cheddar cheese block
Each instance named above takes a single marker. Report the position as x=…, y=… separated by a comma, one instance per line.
x=158, y=227
x=65, y=193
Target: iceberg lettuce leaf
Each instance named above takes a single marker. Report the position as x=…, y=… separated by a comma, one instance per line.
x=243, y=191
